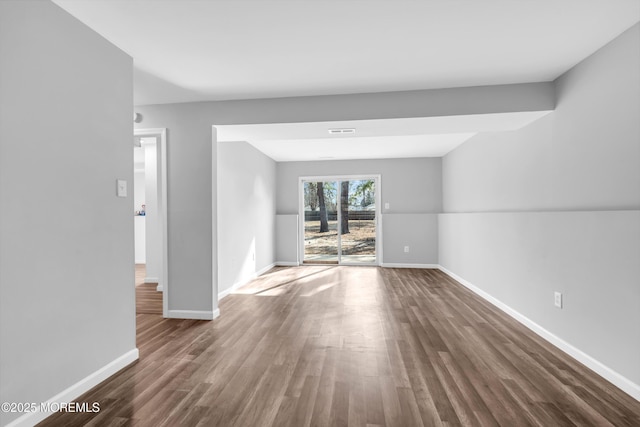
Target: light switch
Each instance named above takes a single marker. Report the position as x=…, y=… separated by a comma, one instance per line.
x=386, y=205
x=121, y=186
x=557, y=299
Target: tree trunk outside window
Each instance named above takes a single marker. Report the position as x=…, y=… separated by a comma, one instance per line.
x=324, y=221
x=344, y=208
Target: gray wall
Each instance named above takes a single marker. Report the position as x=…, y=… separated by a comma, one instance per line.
x=555, y=207
x=246, y=213
x=408, y=185
x=412, y=187
x=287, y=240
x=66, y=248
x=417, y=231
x=189, y=203
x=192, y=156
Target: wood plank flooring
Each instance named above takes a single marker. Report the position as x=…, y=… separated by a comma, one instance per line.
x=148, y=299
x=141, y=272
x=351, y=346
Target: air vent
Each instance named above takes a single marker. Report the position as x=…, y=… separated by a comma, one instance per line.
x=341, y=131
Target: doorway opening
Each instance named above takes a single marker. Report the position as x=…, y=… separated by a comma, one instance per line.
x=150, y=213
x=340, y=220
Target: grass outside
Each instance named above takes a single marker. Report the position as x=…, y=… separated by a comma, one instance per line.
x=361, y=239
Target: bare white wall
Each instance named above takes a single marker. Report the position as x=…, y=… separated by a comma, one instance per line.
x=67, y=303
x=555, y=207
x=192, y=158
x=153, y=241
x=412, y=187
x=140, y=253
x=246, y=213
x=138, y=189
x=139, y=221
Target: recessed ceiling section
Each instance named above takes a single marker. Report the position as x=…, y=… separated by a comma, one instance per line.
x=371, y=139
x=473, y=123
x=375, y=147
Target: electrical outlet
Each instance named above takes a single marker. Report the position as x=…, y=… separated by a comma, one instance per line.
x=558, y=299
x=406, y=249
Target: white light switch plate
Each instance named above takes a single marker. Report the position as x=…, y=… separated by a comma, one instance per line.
x=121, y=188
x=557, y=299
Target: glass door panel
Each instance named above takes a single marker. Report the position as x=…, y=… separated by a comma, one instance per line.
x=321, y=222
x=357, y=215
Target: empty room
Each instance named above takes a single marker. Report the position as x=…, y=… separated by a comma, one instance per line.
x=407, y=213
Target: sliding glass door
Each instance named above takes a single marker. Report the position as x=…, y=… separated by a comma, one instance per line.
x=320, y=222
x=339, y=217
x=358, y=221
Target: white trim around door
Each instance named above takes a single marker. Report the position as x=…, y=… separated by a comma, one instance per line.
x=161, y=150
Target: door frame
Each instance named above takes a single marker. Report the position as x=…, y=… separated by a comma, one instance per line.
x=337, y=178
x=161, y=155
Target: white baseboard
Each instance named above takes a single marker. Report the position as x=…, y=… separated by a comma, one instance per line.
x=151, y=280
x=79, y=388
x=401, y=265
x=264, y=270
x=192, y=314
x=287, y=263
x=241, y=283
x=599, y=368
x=226, y=292
x=159, y=288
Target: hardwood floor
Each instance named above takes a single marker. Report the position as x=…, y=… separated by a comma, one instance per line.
x=357, y=346
x=148, y=299
x=141, y=272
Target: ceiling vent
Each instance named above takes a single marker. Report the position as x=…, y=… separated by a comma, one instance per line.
x=341, y=131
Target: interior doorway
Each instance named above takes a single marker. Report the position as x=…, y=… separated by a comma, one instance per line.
x=340, y=220
x=150, y=213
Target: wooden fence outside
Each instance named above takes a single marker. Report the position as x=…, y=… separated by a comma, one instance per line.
x=333, y=215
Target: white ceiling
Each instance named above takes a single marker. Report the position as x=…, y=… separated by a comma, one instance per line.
x=374, y=147
x=374, y=139
x=186, y=50
x=199, y=50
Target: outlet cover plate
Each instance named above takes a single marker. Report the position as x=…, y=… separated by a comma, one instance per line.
x=557, y=299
